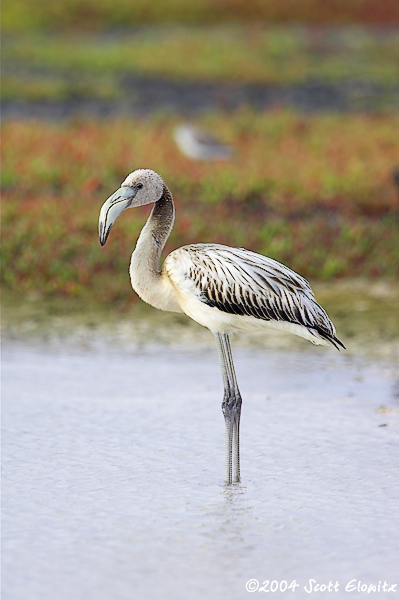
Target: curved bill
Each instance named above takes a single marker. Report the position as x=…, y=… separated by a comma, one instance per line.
x=112, y=208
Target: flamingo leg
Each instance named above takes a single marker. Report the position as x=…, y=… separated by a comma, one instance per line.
x=231, y=407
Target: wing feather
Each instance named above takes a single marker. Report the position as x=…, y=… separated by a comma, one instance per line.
x=241, y=282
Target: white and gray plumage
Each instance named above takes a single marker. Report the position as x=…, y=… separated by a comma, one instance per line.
x=199, y=144
x=225, y=289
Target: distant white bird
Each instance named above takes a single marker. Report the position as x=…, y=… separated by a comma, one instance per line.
x=225, y=289
x=199, y=144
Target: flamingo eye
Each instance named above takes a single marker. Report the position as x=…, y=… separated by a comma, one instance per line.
x=139, y=186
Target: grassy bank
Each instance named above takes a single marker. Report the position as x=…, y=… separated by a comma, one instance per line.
x=71, y=65
x=365, y=314
x=314, y=193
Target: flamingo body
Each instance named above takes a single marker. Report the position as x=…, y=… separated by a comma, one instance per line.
x=222, y=288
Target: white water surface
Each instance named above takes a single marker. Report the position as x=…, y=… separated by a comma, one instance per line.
x=113, y=467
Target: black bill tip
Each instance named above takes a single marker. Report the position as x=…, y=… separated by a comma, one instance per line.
x=103, y=236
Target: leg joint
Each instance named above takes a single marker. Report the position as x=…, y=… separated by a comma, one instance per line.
x=231, y=406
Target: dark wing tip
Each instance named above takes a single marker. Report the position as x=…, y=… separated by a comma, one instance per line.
x=329, y=337
x=339, y=342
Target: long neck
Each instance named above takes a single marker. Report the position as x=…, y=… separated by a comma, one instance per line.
x=144, y=267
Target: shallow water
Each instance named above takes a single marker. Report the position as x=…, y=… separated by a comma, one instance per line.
x=113, y=465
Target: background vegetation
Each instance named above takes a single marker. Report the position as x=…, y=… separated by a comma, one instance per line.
x=311, y=192
x=44, y=65
x=316, y=192
x=102, y=14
